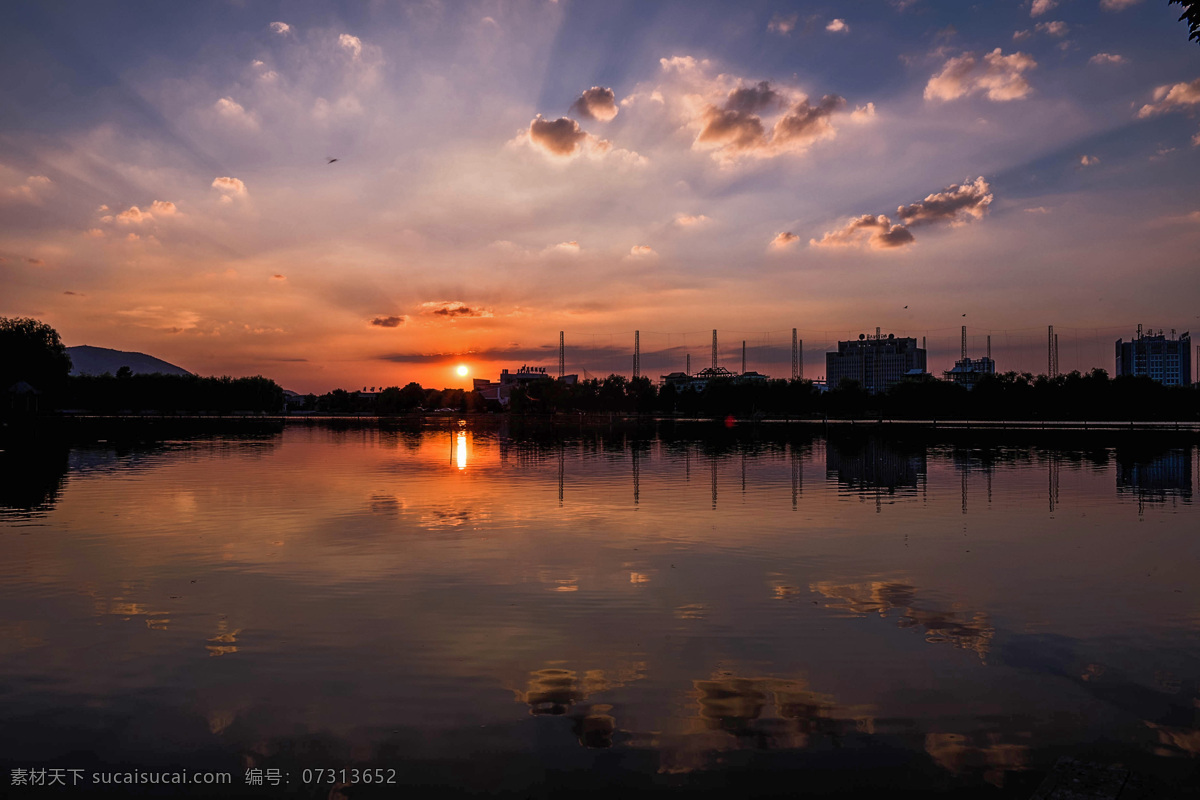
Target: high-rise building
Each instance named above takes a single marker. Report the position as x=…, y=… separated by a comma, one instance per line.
x=1166, y=360
x=876, y=362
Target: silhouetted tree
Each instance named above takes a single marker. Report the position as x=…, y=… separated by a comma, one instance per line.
x=1191, y=13
x=32, y=351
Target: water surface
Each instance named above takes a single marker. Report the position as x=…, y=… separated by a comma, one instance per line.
x=498, y=611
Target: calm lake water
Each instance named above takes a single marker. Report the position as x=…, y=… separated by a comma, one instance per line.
x=582, y=612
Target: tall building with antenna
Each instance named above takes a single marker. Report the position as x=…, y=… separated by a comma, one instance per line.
x=875, y=362
x=1166, y=359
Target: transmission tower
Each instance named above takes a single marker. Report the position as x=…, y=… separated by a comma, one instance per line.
x=964, y=342
x=637, y=354
x=561, y=356
x=714, y=364
x=743, y=356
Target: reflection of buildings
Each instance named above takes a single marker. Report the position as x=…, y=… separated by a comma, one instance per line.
x=875, y=362
x=1167, y=361
x=871, y=464
x=1156, y=478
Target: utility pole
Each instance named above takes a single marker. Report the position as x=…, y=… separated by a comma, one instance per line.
x=795, y=354
x=1052, y=356
x=637, y=355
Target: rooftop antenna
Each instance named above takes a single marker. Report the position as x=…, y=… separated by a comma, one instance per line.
x=637, y=354
x=795, y=356
x=877, y=335
x=1139, y=330
x=714, y=364
x=561, y=355
x=989, y=350
x=743, y=356
x=964, y=342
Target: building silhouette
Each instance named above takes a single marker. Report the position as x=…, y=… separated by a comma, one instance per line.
x=1166, y=360
x=876, y=362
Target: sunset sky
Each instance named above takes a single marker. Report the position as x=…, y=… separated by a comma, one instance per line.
x=509, y=170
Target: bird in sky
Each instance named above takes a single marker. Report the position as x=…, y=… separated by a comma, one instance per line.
x=330, y=161
x=906, y=306
x=964, y=315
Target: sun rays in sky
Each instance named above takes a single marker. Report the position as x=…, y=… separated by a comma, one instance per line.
x=356, y=193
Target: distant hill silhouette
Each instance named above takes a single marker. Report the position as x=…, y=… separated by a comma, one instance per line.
x=88, y=360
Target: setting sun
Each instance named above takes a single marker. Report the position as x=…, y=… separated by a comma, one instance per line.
x=462, y=370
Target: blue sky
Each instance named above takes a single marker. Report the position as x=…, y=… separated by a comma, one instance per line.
x=164, y=184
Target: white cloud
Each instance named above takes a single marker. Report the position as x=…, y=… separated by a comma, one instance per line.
x=999, y=77
x=30, y=190
x=784, y=240
x=1040, y=7
x=838, y=26
x=230, y=188
x=233, y=112
x=642, y=251
x=1172, y=97
x=690, y=220
x=281, y=28
x=1107, y=58
x=783, y=25
x=1118, y=5
x=353, y=44
x=1088, y=161
x=134, y=216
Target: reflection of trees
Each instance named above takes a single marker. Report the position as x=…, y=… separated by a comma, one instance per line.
x=33, y=477
x=968, y=631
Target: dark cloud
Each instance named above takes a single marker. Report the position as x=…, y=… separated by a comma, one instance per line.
x=453, y=309
x=805, y=122
x=753, y=99
x=37, y=262
x=737, y=127
x=954, y=204
x=559, y=137
x=388, y=322
x=598, y=103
